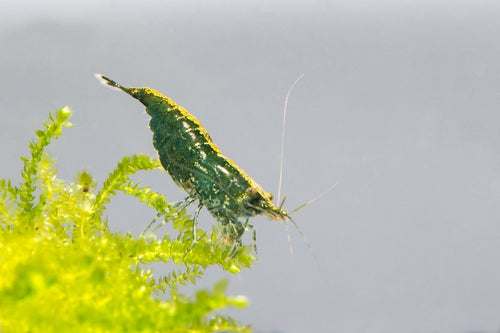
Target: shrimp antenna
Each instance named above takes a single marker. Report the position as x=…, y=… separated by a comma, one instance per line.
x=308, y=244
x=322, y=194
x=306, y=241
x=282, y=202
x=283, y=134
x=289, y=241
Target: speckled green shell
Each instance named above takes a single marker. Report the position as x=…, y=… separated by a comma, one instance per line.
x=197, y=165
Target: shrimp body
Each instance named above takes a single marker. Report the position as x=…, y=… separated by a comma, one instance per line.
x=197, y=165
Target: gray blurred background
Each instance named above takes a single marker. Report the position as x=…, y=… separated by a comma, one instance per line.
x=399, y=104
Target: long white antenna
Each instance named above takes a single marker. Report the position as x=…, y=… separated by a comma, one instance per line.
x=322, y=194
x=289, y=241
x=283, y=135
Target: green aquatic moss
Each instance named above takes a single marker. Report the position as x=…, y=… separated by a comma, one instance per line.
x=62, y=269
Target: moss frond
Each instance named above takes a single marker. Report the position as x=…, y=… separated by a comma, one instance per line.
x=62, y=269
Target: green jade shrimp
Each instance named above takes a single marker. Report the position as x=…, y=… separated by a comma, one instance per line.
x=197, y=165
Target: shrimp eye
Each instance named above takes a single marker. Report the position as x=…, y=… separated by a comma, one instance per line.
x=251, y=191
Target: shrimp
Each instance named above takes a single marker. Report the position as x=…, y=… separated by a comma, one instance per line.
x=198, y=166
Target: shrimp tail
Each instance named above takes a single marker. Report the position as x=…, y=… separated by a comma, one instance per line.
x=108, y=82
